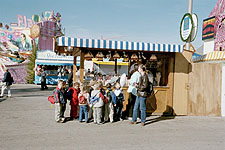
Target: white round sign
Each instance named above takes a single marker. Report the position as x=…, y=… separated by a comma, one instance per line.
x=195, y=27
x=186, y=27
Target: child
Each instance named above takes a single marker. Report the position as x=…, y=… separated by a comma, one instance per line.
x=109, y=107
x=74, y=100
x=83, y=98
x=60, y=101
x=97, y=103
x=119, y=102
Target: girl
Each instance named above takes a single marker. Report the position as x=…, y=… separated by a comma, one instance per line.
x=83, y=99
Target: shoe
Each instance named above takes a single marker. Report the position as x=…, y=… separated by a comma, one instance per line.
x=129, y=118
x=132, y=122
x=1, y=96
x=100, y=123
x=121, y=119
x=9, y=96
x=143, y=124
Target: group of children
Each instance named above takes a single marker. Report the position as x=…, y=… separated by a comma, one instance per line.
x=103, y=105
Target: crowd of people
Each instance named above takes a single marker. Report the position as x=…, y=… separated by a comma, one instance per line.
x=102, y=105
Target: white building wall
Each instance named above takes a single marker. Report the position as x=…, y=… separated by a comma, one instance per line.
x=208, y=46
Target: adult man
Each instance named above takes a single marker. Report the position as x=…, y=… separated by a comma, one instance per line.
x=70, y=78
x=43, y=79
x=142, y=95
x=7, y=82
x=132, y=90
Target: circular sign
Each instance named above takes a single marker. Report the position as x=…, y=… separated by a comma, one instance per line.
x=195, y=27
x=34, y=31
x=186, y=27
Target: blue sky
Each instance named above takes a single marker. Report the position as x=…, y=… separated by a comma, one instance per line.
x=156, y=21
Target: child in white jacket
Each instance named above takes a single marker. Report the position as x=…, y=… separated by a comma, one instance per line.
x=97, y=103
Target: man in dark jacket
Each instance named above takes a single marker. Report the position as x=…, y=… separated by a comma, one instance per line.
x=43, y=79
x=142, y=94
x=6, y=83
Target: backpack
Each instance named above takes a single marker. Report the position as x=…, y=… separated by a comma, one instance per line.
x=51, y=99
x=82, y=99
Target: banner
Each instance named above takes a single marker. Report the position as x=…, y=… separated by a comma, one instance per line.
x=208, y=30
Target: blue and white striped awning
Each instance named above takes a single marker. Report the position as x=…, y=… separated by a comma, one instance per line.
x=118, y=45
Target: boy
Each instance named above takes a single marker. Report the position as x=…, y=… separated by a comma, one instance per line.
x=109, y=107
x=119, y=102
x=60, y=102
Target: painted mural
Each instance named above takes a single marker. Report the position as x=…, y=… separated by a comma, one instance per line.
x=219, y=29
x=16, y=41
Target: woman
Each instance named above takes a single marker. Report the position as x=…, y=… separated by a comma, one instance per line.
x=142, y=94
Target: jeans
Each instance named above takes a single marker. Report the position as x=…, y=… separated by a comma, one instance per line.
x=83, y=109
x=140, y=101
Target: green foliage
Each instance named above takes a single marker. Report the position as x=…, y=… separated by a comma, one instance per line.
x=31, y=66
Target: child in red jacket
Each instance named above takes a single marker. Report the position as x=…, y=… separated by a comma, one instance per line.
x=74, y=100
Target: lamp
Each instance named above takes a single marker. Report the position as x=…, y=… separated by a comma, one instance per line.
x=134, y=57
x=88, y=56
x=153, y=57
x=116, y=55
x=99, y=56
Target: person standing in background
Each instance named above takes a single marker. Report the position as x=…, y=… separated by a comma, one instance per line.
x=7, y=82
x=43, y=79
x=70, y=78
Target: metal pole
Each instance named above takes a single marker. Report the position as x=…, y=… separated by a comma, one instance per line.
x=189, y=11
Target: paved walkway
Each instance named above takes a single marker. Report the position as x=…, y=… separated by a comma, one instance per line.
x=27, y=123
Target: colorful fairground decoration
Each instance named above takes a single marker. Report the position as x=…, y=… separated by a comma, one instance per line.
x=208, y=30
x=188, y=27
x=17, y=39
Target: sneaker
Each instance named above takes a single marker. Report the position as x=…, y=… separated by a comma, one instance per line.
x=129, y=118
x=100, y=123
x=132, y=122
x=9, y=96
x=1, y=96
x=143, y=124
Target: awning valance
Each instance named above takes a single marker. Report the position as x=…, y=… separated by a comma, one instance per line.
x=118, y=45
x=212, y=56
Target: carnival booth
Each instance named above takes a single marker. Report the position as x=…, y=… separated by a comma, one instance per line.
x=167, y=63
x=56, y=66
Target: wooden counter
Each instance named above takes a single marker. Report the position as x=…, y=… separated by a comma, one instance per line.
x=156, y=104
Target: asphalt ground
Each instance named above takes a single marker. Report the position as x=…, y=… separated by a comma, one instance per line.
x=27, y=123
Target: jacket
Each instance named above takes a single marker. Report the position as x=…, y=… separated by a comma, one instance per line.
x=60, y=96
x=119, y=96
x=72, y=95
x=100, y=102
x=7, y=78
x=143, y=86
x=134, y=79
x=110, y=96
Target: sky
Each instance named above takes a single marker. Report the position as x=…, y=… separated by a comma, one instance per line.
x=154, y=21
